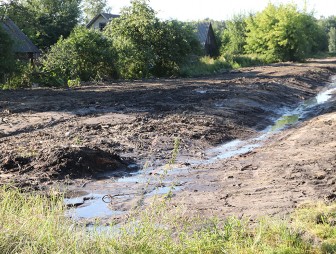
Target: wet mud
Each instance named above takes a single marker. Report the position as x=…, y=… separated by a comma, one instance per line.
x=117, y=139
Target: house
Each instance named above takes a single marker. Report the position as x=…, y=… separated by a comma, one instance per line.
x=100, y=21
x=206, y=37
x=23, y=47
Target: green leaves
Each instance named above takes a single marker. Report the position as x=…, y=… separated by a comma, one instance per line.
x=234, y=36
x=93, y=7
x=282, y=33
x=85, y=54
x=145, y=45
x=44, y=21
x=332, y=40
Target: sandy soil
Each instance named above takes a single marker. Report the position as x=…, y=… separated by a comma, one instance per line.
x=51, y=136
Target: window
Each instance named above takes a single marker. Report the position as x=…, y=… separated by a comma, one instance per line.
x=101, y=26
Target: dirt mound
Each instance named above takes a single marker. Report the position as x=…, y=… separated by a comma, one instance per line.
x=67, y=162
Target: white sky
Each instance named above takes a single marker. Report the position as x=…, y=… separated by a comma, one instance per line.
x=222, y=9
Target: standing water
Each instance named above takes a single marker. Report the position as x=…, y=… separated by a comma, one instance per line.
x=288, y=117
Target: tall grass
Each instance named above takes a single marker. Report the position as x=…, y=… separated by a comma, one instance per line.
x=32, y=223
x=206, y=66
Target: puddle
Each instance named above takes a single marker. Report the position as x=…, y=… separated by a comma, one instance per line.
x=138, y=177
x=289, y=117
x=91, y=206
x=163, y=190
x=285, y=121
x=201, y=91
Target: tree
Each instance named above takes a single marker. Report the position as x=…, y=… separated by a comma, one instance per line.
x=332, y=40
x=85, y=55
x=7, y=60
x=146, y=46
x=93, y=7
x=328, y=24
x=44, y=21
x=282, y=33
x=234, y=36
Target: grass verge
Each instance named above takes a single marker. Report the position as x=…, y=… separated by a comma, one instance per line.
x=32, y=223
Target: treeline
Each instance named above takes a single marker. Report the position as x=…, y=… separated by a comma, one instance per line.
x=139, y=45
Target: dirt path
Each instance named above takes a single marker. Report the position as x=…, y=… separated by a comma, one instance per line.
x=49, y=137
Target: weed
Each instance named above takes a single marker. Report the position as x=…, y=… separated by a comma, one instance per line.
x=73, y=83
x=32, y=223
x=77, y=140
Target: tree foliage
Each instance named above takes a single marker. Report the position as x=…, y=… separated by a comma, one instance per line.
x=234, y=36
x=329, y=24
x=85, y=54
x=44, y=21
x=147, y=46
x=7, y=62
x=332, y=40
x=282, y=33
x=93, y=7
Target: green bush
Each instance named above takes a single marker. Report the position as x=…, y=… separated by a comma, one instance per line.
x=146, y=46
x=282, y=33
x=85, y=54
x=24, y=76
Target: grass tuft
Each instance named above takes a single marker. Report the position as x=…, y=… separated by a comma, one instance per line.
x=34, y=223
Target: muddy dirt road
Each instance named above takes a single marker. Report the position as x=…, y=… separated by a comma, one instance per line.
x=90, y=138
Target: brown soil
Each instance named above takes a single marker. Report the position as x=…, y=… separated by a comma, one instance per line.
x=52, y=136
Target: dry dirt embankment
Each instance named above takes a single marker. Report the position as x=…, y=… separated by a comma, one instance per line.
x=46, y=135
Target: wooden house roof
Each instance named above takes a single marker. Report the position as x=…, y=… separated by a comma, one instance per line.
x=22, y=44
x=107, y=16
x=203, y=31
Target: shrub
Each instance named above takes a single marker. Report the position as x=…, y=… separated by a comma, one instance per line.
x=146, y=46
x=282, y=33
x=85, y=54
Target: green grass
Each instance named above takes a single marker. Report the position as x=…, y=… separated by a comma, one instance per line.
x=207, y=66
x=33, y=223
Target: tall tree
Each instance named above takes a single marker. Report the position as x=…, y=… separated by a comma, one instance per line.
x=147, y=46
x=332, y=40
x=282, y=33
x=234, y=36
x=93, y=7
x=328, y=24
x=44, y=21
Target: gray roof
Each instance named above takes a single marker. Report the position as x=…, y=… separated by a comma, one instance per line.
x=202, y=32
x=107, y=16
x=22, y=44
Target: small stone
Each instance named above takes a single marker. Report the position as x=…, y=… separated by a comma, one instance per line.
x=320, y=175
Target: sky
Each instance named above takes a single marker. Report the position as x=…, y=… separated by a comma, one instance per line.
x=185, y=10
